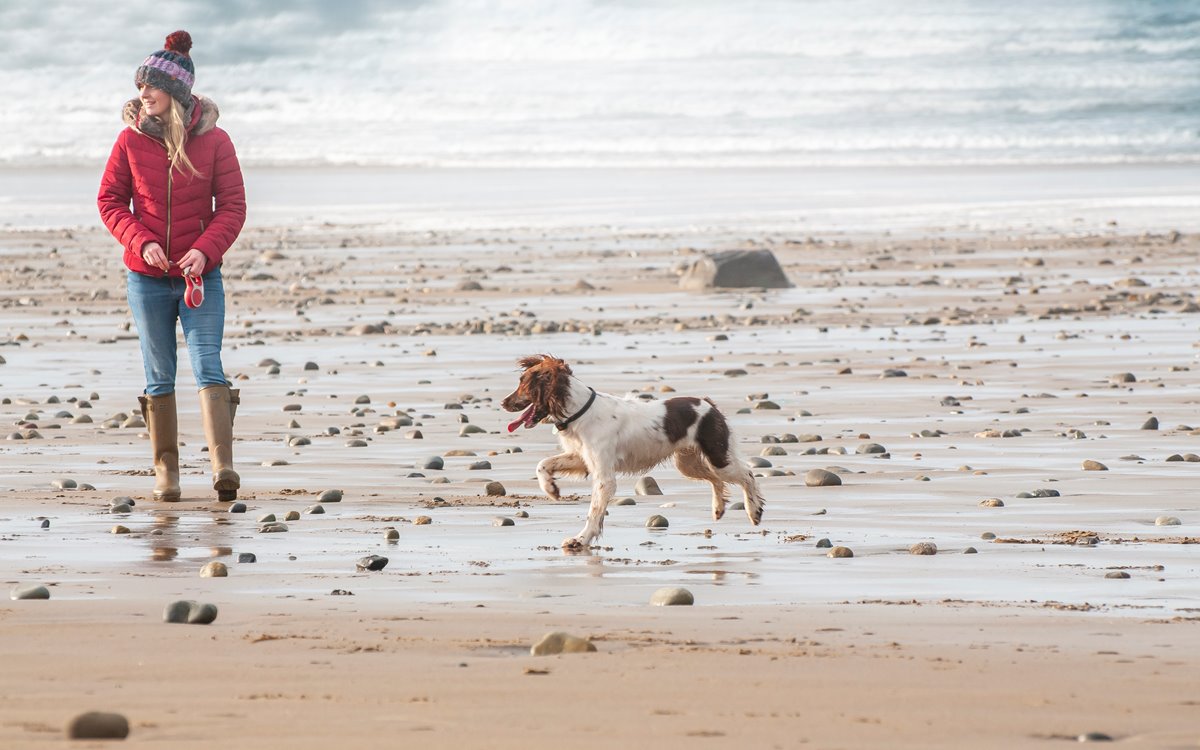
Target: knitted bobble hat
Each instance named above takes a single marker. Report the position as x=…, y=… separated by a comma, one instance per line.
x=170, y=69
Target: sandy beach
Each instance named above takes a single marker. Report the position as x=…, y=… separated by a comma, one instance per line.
x=985, y=366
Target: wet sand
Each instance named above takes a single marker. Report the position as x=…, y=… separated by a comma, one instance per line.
x=1025, y=643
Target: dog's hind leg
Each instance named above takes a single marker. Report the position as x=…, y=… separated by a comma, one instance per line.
x=564, y=463
x=693, y=466
x=603, y=489
x=737, y=473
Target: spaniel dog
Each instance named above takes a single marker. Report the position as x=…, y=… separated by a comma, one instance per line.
x=603, y=435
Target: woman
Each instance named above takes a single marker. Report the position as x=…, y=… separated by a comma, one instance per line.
x=172, y=195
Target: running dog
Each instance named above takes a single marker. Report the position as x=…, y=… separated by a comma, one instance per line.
x=603, y=435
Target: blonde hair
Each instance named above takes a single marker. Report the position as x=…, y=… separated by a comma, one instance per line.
x=175, y=136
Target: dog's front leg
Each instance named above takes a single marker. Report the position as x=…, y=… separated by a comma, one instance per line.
x=603, y=489
x=563, y=463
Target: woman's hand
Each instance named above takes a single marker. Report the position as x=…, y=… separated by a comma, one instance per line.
x=193, y=263
x=153, y=254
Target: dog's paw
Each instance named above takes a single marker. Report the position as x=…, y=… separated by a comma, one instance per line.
x=575, y=544
x=718, y=513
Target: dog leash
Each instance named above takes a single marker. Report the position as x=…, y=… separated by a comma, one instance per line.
x=560, y=426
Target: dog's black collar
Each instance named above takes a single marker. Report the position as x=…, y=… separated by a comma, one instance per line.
x=560, y=426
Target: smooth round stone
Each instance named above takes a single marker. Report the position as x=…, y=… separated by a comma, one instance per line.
x=870, y=448
x=315, y=510
x=737, y=505
x=311, y=366
x=34, y=591
x=275, y=527
x=480, y=466
x=422, y=521
x=992, y=502
x=268, y=518
x=773, y=450
x=495, y=489
x=970, y=551
x=520, y=514
x=470, y=429
x=120, y=508
x=1167, y=521
x=296, y=442
x=672, y=597
x=1094, y=737
x=758, y=462
x=356, y=443
x=45, y=523
x=98, y=725
x=1116, y=574
x=81, y=419
x=371, y=562
x=363, y=399
x=238, y=507
x=459, y=453
x=561, y=643
x=840, y=552
x=657, y=522
x=85, y=487
x=923, y=548
x=433, y=463
x=64, y=484
x=987, y=536
x=391, y=535
x=626, y=501
x=821, y=478
x=214, y=569
x=503, y=521
x=292, y=515
x=177, y=611
x=330, y=496
x=119, y=529
x=247, y=557
x=1087, y=541
x=275, y=462
x=1150, y=424
x=824, y=543
x=414, y=435
x=292, y=407
x=647, y=486
x=202, y=614
x=1090, y=465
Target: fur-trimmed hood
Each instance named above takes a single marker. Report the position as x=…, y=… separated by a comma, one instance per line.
x=204, y=117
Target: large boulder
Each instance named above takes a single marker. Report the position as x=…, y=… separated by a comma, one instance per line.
x=735, y=268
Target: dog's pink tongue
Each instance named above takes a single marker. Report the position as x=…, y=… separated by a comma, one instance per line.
x=522, y=420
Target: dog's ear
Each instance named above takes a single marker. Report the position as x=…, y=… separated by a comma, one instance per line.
x=527, y=363
x=556, y=365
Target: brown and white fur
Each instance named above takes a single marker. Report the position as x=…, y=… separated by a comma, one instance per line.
x=625, y=436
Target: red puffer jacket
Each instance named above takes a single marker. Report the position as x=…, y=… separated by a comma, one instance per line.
x=179, y=211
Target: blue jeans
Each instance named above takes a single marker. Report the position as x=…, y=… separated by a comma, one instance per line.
x=156, y=303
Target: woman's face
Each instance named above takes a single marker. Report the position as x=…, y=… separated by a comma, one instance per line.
x=155, y=102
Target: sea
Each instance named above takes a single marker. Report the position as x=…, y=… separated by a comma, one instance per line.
x=624, y=83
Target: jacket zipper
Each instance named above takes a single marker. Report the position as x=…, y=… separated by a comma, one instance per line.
x=170, y=183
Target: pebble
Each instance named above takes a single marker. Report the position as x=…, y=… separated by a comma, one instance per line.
x=495, y=489
x=371, y=562
x=970, y=551
x=626, y=501
x=422, y=521
x=120, y=508
x=773, y=450
x=1123, y=377
x=670, y=597
x=356, y=443
x=1116, y=574
x=292, y=407
x=647, y=486
x=64, y=484
x=414, y=435
x=561, y=643
x=987, y=536
x=1150, y=424
x=274, y=527
x=268, y=518
x=247, y=557
x=824, y=543
x=33, y=591
x=480, y=466
x=315, y=510
x=214, y=569
x=292, y=515
x=923, y=548
x=840, y=552
x=1090, y=465
x=296, y=442
x=1167, y=521
x=1094, y=737
x=391, y=535
x=821, y=478
x=992, y=502
x=119, y=529
x=45, y=523
x=657, y=522
x=757, y=462
x=870, y=448
x=238, y=507
x=433, y=463
x=330, y=496
x=470, y=429
x=98, y=725
x=503, y=521
x=191, y=612
x=520, y=514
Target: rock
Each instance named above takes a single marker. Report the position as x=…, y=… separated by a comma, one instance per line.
x=214, y=569
x=1094, y=737
x=191, y=612
x=766, y=405
x=1122, y=377
x=33, y=591
x=63, y=484
x=923, y=548
x=503, y=521
x=247, y=557
x=119, y=529
x=970, y=551
x=273, y=527
x=471, y=429
x=315, y=510
x=671, y=597
x=45, y=523
x=647, y=486
x=561, y=643
x=365, y=329
x=1116, y=574
x=494, y=489
x=356, y=443
x=626, y=501
x=1090, y=465
x=422, y=521
x=1167, y=521
x=987, y=536
x=824, y=544
x=1150, y=424
x=433, y=463
x=98, y=725
x=992, y=502
x=371, y=562
x=870, y=448
x=821, y=478
x=330, y=496
x=121, y=508
x=773, y=450
x=757, y=462
x=267, y=518
x=238, y=507
x=292, y=515
x=202, y=614
x=735, y=269
x=840, y=552
x=520, y=514
x=177, y=612
x=296, y=442
x=480, y=466
x=657, y=522
x=391, y=535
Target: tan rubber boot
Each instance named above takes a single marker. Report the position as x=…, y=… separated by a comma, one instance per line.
x=218, y=404
x=161, y=421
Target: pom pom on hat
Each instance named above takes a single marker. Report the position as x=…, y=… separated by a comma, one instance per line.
x=170, y=69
